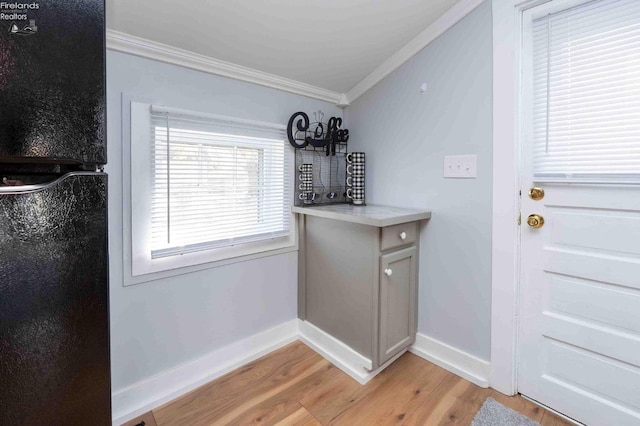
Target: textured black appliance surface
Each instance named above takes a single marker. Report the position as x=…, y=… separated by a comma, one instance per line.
x=54, y=332
x=52, y=84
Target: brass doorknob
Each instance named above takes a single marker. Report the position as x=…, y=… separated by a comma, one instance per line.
x=535, y=221
x=536, y=193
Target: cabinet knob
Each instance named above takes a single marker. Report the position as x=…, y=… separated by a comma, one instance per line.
x=388, y=272
x=403, y=235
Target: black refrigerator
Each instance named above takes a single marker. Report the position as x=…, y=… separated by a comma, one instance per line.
x=54, y=319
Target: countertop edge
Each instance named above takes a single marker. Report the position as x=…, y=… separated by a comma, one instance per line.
x=363, y=220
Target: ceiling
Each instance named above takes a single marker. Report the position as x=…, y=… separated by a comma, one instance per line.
x=330, y=44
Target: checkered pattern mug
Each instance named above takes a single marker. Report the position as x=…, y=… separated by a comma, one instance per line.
x=355, y=181
x=355, y=169
x=356, y=195
x=355, y=158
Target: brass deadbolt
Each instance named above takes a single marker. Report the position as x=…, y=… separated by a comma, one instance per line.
x=536, y=193
x=535, y=221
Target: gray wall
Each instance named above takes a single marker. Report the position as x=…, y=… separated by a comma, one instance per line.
x=159, y=325
x=405, y=136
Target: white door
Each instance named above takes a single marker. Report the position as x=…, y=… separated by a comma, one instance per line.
x=579, y=329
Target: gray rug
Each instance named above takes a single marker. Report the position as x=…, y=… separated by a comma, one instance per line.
x=493, y=413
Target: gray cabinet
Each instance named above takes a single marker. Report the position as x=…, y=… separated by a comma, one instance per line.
x=397, y=307
x=357, y=283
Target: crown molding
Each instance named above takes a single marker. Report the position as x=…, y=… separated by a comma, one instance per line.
x=126, y=43
x=433, y=31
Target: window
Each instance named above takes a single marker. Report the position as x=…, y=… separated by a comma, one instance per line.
x=214, y=188
x=585, y=65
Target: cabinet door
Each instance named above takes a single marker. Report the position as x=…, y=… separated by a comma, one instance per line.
x=397, y=301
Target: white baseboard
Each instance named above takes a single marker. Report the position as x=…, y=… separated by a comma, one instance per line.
x=359, y=367
x=454, y=360
x=340, y=355
x=143, y=396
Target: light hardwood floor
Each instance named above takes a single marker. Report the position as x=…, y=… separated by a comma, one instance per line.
x=296, y=386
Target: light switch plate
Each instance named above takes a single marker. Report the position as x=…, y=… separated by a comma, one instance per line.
x=460, y=166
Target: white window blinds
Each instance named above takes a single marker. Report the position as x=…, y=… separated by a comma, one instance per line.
x=216, y=183
x=586, y=93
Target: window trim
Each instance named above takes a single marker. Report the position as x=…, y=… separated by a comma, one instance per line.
x=138, y=191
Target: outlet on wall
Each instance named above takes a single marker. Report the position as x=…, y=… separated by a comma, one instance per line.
x=460, y=166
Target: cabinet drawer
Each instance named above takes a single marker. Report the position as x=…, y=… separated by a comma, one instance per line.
x=392, y=236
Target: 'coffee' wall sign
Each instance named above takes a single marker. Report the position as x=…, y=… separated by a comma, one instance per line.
x=317, y=134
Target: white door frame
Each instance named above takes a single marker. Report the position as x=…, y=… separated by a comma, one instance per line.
x=505, y=263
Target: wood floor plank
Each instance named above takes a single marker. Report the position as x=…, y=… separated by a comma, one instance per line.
x=280, y=403
x=435, y=409
x=301, y=417
x=410, y=380
x=466, y=406
x=244, y=407
x=219, y=397
x=331, y=398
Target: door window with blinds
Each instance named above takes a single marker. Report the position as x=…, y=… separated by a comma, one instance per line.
x=584, y=70
x=215, y=188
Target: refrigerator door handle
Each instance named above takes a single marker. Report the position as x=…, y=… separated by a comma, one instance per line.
x=26, y=189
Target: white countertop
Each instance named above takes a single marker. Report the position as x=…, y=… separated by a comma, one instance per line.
x=365, y=215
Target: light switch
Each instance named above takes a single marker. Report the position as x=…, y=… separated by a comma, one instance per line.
x=460, y=166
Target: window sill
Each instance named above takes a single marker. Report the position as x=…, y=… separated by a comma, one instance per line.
x=130, y=279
